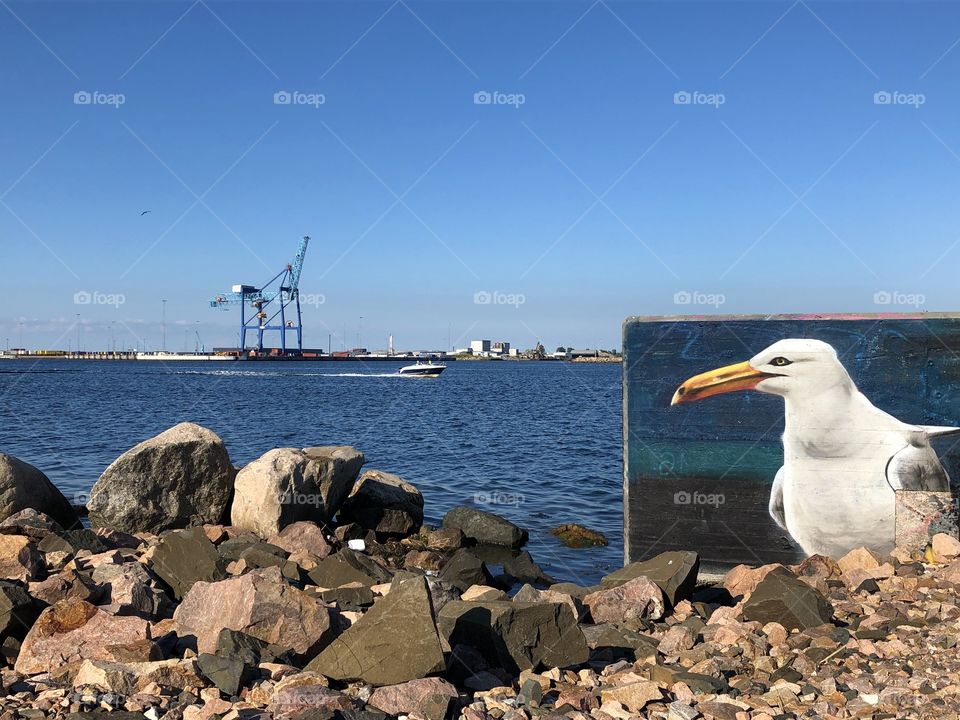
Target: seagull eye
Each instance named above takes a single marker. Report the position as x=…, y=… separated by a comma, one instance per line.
x=780, y=361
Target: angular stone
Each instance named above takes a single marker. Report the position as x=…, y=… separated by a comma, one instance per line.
x=640, y=598
x=675, y=572
x=129, y=589
x=180, y=478
x=17, y=611
x=227, y=673
x=781, y=597
x=465, y=569
x=633, y=695
x=23, y=486
x=516, y=636
x=741, y=580
x=946, y=548
x=19, y=558
x=394, y=642
x=445, y=539
x=74, y=630
x=32, y=523
x=67, y=585
x=427, y=698
x=523, y=569
x=306, y=702
x=184, y=557
x=383, y=503
x=859, y=559
x=287, y=485
x=303, y=536
x=676, y=639
x=260, y=604
x=485, y=528
x=346, y=567
x=72, y=541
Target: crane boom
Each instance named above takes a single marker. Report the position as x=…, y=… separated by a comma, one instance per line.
x=282, y=289
x=297, y=266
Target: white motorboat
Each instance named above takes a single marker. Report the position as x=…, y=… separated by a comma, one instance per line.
x=422, y=369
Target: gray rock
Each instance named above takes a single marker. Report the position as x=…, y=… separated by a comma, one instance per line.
x=523, y=569
x=782, y=597
x=72, y=541
x=348, y=566
x=17, y=611
x=516, y=636
x=23, y=486
x=227, y=673
x=180, y=478
x=465, y=569
x=183, y=557
x=395, y=641
x=287, y=485
x=383, y=503
x=675, y=572
x=485, y=528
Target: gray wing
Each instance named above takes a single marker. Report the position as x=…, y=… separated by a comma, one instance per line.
x=776, y=501
x=917, y=467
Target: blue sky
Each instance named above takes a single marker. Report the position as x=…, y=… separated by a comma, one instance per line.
x=587, y=190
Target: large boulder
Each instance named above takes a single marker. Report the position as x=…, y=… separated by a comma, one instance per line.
x=75, y=630
x=383, y=503
x=260, y=604
x=23, y=486
x=516, y=636
x=394, y=642
x=675, y=572
x=288, y=485
x=485, y=528
x=180, y=478
x=783, y=598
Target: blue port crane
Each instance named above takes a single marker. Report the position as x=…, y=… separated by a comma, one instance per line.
x=269, y=304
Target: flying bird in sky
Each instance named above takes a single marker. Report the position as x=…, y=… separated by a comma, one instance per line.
x=144, y=213
x=843, y=458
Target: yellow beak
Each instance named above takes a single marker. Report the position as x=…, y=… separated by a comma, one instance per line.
x=716, y=382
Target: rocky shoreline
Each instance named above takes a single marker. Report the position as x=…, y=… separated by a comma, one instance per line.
x=303, y=586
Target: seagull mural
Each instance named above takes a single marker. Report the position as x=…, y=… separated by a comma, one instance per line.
x=843, y=458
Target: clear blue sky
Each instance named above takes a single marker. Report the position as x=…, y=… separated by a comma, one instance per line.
x=799, y=193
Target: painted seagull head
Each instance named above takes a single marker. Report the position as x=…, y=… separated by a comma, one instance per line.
x=790, y=368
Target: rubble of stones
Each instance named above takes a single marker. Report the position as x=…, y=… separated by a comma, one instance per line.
x=305, y=588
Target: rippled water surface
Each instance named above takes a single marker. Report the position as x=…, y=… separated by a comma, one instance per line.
x=539, y=443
